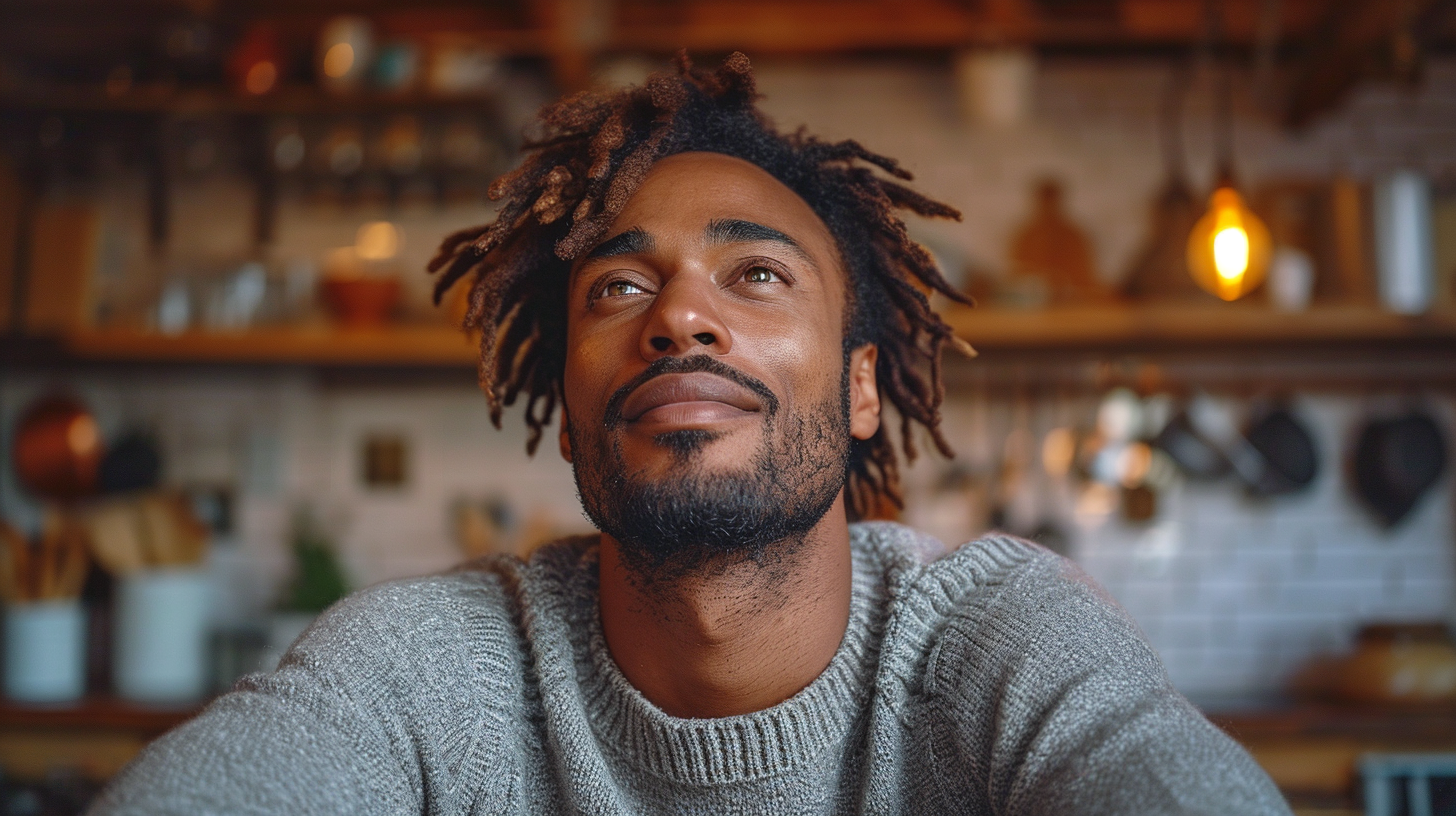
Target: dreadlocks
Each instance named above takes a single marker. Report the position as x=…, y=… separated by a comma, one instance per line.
x=592, y=153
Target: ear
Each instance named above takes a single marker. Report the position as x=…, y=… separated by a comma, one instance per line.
x=565, y=439
x=864, y=392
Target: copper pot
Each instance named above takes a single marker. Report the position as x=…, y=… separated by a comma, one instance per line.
x=57, y=449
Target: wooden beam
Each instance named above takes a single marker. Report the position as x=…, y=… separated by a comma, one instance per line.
x=827, y=26
x=574, y=31
x=1346, y=49
x=811, y=26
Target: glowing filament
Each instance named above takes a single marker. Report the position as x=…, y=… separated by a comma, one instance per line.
x=1228, y=251
x=1231, y=253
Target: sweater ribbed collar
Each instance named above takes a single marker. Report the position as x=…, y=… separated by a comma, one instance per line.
x=746, y=747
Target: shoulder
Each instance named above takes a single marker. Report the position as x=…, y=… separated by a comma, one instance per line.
x=1034, y=610
x=1037, y=640
x=975, y=574
x=410, y=612
x=397, y=636
x=998, y=603
x=478, y=600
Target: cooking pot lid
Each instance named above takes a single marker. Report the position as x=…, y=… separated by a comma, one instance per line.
x=1288, y=450
x=1396, y=461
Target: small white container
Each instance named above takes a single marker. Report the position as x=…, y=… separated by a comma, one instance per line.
x=1291, y=279
x=1404, y=242
x=163, y=619
x=45, y=651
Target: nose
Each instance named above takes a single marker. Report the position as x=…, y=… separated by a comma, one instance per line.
x=684, y=317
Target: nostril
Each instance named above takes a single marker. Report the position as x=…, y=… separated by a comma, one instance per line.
x=706, y=338
x=661, y=343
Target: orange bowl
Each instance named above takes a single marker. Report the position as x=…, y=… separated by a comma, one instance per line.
x=361, y=302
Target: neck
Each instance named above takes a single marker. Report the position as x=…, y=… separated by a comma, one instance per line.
x=736, y=639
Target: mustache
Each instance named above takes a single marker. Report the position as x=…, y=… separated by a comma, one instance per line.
x=694, y=364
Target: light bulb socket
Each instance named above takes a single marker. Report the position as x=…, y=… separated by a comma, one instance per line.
x=1224, y=177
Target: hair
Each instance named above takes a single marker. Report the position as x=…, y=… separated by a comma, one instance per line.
x=591, y=153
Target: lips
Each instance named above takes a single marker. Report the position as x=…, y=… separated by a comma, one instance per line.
x=681, y=389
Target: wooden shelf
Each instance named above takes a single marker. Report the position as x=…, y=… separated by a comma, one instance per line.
x=99, y=713
x=1152, y=328
x=1205, y=329
x=394, y=346
x=95, y=737
x=293, y=100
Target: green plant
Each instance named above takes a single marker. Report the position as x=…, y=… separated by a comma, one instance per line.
x=318, y=580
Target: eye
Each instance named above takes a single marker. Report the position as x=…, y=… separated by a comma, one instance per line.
x=760, y=274
x=620, y=287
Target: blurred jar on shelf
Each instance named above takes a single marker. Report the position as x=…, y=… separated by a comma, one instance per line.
x=345, y=51
x=361, y=283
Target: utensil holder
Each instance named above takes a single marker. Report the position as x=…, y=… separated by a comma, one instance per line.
x=45, y=651
x=163, y=619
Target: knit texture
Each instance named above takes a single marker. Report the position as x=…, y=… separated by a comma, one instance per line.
x=995, y=680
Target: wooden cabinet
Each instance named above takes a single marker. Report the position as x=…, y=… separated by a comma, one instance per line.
x=1313, y=753
x=95, y=737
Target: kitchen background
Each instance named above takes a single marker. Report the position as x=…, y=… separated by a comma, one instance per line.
x=229, y=277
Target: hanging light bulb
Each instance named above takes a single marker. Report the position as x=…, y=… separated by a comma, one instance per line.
x=1228, y=250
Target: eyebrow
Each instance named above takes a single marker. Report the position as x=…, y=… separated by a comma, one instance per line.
x=634, y=241
x=734, y=230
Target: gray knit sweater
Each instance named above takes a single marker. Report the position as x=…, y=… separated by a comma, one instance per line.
x=997, y=679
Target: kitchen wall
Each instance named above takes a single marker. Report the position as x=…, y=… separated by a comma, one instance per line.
x=1234, y=593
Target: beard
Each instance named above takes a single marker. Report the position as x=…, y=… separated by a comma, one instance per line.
x=697, y=521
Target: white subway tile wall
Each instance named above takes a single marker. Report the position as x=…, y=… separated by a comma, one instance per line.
x=1234, y=593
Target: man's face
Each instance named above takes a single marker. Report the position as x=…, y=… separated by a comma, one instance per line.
x=709, y=405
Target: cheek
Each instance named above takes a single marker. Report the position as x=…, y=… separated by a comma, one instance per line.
x=804, y=356
x=592, y=358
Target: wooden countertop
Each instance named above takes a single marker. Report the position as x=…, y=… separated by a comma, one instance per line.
x=1312, y=752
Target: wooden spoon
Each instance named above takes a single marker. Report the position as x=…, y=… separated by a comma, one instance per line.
x=14, y=545
x=173, y=535
x=115, y=536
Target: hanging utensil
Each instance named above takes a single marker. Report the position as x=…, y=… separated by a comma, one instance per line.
x=1290, y=459
x=1396, y=461
x=132, y=463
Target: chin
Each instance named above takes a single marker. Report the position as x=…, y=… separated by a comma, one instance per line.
x=666, y=451
x=685, y=443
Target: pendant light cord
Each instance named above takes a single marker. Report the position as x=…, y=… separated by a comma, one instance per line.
x=1171, y=124
x=1223, y=124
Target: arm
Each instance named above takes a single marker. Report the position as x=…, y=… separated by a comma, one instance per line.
x=1064, y=709
x=284, y=743
x=372, y=711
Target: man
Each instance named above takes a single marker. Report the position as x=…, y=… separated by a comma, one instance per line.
x=721, y=313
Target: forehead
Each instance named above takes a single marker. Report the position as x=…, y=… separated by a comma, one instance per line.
x=688, y=190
